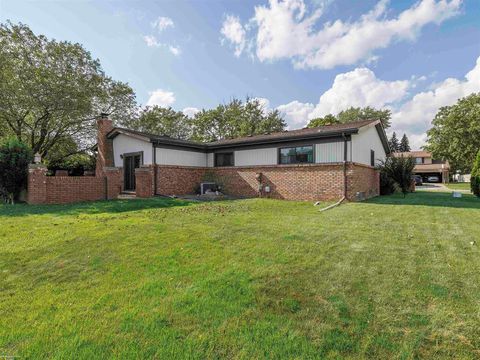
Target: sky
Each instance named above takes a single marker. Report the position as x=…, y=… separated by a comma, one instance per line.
x=306, y=58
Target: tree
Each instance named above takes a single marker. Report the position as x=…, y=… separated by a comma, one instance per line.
x=399, y=170
x=161, y=121
x=235, y=119
x=326, y=120
x=51, y=91
x=393, y=143
x=366, y=113
x=475, y=176
x=404, y=144
x=455, y=135
x=14, y=159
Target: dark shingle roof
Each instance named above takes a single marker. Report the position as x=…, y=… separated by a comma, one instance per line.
x=307, y=133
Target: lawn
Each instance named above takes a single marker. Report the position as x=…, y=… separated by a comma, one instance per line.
x=459, y=186
x=388, y=278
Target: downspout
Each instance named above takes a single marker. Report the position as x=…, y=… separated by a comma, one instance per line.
x=154, y=170
x=345, y=157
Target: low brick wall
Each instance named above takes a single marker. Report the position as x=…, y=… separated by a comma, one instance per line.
x=43, y=189
x=291, y=182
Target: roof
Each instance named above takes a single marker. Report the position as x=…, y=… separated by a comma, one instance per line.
x=415, y=153
x=292, y=135
x=431, y=167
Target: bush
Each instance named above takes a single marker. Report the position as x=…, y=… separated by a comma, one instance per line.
x=14, y=159
x=397, y=171
x=475, y=178
x=387, y=185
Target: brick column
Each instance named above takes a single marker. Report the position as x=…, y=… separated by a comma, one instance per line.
x=113, y=176
x=37, y=184
x=144, y=182
x=105, y=145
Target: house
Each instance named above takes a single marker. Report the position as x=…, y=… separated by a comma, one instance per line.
x=325, y=163
x=321, y=163
x=426, y=166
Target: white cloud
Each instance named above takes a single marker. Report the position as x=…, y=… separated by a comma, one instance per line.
x=162, y=23
x=175, y=50
x=287, y=30
x=161, y=98
x=411, y=114
x=151, y=41
x=233, y=31
x=415, y=115
x=190, y=111
x=359, y=88
x=296, y=113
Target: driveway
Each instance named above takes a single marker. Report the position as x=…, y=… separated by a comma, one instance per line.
x=432, y=187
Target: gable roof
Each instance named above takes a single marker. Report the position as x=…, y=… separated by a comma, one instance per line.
x=291, y=135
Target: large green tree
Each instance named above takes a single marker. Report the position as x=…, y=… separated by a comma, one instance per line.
x=404, y=144
x=455, y=135
x=354, y=114
x=161, y=121
x=237, y=118
x=393, y=143
x=51, y=91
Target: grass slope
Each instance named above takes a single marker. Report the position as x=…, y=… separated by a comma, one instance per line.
x=388, y=278
x=459, y=186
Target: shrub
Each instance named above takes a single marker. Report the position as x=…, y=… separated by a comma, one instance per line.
x=475, y=176
x=399, y=171
x=387, y=185
x=14, y=159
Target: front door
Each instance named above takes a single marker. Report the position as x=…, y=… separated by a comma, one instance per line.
x=130, y=163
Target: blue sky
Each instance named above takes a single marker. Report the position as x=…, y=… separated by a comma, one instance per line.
x=305, y=57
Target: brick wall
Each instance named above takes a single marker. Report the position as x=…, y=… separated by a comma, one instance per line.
x=68, y=189
x=179, y=180
x=43, y=189
x=291, y=182
x=104, y=145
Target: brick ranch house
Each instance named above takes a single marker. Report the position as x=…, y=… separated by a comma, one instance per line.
x=324, y=163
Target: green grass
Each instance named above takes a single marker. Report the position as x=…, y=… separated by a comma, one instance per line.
x=459, y=186
x=389, y=278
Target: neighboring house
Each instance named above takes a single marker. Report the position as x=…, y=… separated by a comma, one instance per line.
x=426, y=167
x=309, y=164
x=324, y=163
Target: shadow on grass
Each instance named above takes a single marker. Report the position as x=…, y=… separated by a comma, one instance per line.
x=440, y=199
x=97, y=207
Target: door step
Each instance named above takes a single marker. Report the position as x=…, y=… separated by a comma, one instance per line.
x=127, y=195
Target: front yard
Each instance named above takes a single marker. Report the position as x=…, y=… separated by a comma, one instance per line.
x=388, y=278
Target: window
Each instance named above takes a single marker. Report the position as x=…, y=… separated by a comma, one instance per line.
x=372, y=158
x=224, y=159
x=296, y=155
x=419, y=160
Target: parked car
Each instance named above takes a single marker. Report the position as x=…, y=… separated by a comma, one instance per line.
x=433, y=179
x=418, y=180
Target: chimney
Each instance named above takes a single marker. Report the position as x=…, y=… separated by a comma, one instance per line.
x=104, y=145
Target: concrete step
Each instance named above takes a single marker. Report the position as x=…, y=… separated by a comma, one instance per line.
x=127, y=195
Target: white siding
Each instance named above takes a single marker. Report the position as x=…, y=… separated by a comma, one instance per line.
x=367, y=139
x=267, y=156
x=210, y=158
x=332, y=152
x=180, y=157
x=123, y=144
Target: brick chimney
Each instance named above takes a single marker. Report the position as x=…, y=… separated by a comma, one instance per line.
x=104, y=145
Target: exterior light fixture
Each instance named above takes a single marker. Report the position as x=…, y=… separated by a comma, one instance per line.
x=37, y=158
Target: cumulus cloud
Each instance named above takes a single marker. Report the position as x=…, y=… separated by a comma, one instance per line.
x=175, y=50
x=411, y=114
x=161, y=98
x=296, y=113
x=359, y=88
x=190, y=111
x=234, y=32
x=162, y=23
x=151, y=41
x=415, y=115
x=288, y=30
